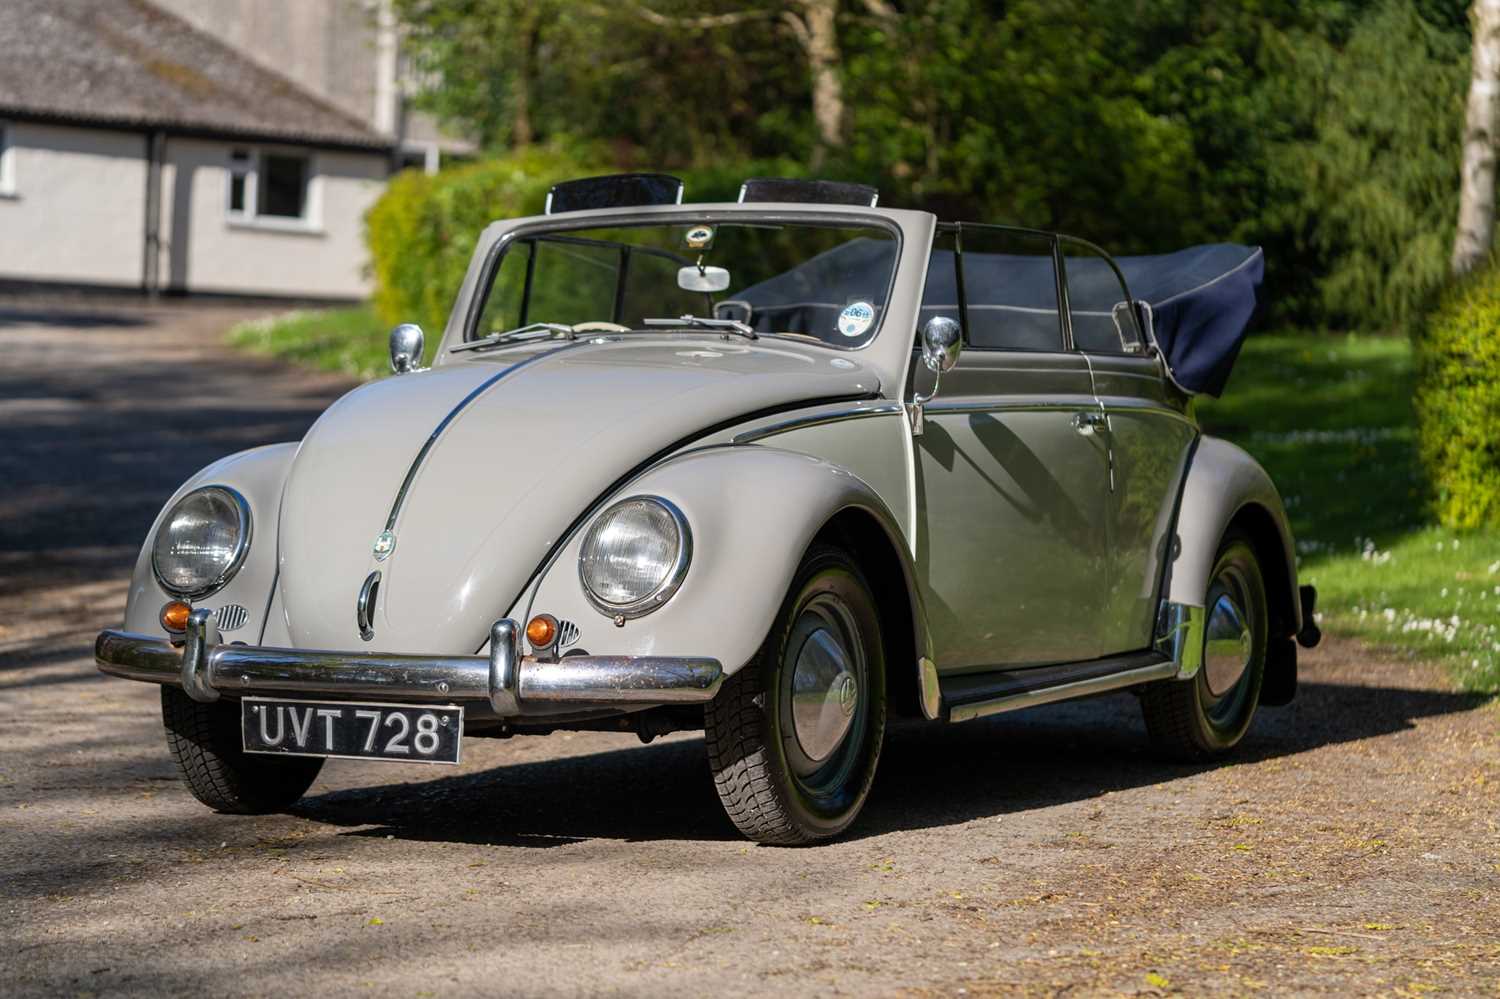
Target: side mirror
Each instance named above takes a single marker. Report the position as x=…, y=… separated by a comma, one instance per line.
x=407, y=342
x=942, y=339
x=705, y=279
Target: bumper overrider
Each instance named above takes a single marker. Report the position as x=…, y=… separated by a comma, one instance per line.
x=505, y=679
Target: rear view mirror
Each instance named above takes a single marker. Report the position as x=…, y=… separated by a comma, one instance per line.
x=706, y=279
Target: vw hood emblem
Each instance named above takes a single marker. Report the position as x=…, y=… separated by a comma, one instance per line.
x=384, y=545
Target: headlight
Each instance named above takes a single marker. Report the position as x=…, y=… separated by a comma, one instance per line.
x=634, y=556
x=202, y=541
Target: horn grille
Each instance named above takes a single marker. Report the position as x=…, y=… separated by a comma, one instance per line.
x=231, y=616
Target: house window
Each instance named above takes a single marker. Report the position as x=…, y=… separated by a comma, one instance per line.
x=7, y=163
x=240, y=170
x=269, y=186
x=283, y=186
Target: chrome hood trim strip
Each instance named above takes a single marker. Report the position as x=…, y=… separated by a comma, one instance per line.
x=445, y=422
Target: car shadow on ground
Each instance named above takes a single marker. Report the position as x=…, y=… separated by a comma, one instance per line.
x=930, y=775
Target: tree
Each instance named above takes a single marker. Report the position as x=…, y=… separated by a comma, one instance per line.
x=1476, y=202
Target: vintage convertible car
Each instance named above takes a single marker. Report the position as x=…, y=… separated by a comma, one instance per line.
x=782, y=470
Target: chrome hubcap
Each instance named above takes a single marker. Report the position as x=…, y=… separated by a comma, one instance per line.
x=825, y=694
x=1228, y=643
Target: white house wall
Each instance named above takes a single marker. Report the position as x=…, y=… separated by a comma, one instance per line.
x=78, y=210
x=203, y=250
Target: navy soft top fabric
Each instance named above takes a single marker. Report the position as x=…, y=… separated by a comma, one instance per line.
x=1201, y=299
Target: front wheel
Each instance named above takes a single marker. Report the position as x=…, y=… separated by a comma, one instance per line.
x=1206, y=716
x=205, y=743
x=793, y=738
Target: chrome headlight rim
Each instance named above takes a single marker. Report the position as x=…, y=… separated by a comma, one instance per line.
x=668, y=586
x=241, y=549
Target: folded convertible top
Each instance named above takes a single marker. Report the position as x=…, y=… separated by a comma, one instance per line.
x=1201, y=301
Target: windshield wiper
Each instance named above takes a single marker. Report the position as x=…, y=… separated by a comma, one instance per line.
x=517, y=335
x=732, y=325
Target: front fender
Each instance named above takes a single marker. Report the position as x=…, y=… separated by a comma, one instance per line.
x=258, y=475
x=753, y=512
x=1225, y=485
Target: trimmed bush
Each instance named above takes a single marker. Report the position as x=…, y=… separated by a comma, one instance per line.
x=1458, y=401
x=422, y=230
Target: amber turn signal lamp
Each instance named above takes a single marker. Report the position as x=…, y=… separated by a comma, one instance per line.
x=541, y=631
x=174, y=616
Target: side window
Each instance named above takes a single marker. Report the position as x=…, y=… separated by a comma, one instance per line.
x=1009, y=284
x=1098, y=303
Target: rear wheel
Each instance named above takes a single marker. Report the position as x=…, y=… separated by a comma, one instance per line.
x=1203, y=717
x=794, y=737
x=205, y=743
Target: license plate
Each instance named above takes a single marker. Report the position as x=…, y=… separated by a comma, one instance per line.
x=401, y=732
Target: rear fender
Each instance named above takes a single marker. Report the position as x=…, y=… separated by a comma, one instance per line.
x=753, y=511
x=1224, y=487
x=257, y=475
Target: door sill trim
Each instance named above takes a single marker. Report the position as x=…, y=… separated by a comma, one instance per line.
x=1012, y=690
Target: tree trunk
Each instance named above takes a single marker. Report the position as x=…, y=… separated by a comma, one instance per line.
x=1476, y=200
x=521, y=131
x=816, y=30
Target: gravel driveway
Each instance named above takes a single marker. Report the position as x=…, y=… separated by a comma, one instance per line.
x=1352, y=847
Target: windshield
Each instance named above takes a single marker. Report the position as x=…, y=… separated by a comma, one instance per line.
x=828, y=282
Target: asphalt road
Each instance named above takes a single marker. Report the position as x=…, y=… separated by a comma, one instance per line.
x=1351, y=847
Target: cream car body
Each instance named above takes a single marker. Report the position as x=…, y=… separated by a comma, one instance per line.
x=1034, y=526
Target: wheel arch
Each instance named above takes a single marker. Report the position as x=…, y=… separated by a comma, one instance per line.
x=258, y=475
x=1227, y=488
x=870, y=541
x=754, y=511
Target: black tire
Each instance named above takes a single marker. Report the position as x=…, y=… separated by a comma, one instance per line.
x=1190, y=720
x=205, y=743
x=774, y=791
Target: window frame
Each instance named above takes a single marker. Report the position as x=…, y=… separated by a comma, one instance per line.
x=1064, y=322
x=468, y=328
x=252, y=174
x=1142, y=341
x=1067, y=345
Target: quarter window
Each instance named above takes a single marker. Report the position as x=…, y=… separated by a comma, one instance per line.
x=1099, y=306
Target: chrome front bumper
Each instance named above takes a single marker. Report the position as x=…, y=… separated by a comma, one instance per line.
x=505, y=679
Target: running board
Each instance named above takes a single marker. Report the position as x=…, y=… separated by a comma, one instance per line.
x=977, y=695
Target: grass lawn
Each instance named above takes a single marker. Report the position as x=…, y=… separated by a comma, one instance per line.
x=1330, y=417
x=350, y=340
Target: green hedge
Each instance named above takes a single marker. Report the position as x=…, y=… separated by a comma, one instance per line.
x=421, y=231
x=1458, y=401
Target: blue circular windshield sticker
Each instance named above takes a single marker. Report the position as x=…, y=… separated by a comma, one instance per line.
x=856, y=318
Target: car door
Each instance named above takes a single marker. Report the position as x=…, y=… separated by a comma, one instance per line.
x=1010, y=476
x=1148, y=436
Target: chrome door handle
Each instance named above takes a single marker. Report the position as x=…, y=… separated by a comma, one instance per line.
x=1089, y=421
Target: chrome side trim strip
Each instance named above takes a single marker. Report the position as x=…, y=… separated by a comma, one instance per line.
x=508, y=681
x=1062, y=692
x=817, y=419
x=1180, y=632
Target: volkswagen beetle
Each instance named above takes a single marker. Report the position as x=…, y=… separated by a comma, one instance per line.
x=782, y=470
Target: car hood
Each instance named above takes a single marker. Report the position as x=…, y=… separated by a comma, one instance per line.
x=479, y=467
